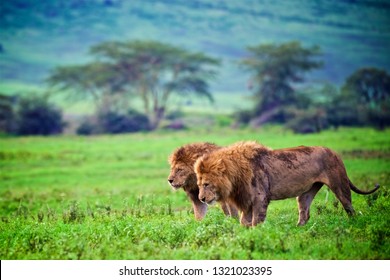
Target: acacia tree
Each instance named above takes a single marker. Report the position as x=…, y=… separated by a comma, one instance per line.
x=154, y=71
x=150, y=70
x=95, y=81
x=369, y=88
x=275, y=69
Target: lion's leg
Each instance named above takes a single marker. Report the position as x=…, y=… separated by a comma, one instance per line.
x=233, y=211
x=200, y=208
x=246, y=218
x=259, y=209
x=340, y=187
x=304, y=202
x=229, y=209
x=345, y=199
x=225, y=208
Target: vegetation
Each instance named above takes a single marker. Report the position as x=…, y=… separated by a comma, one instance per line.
x=149, y=70
x=369, y=89
x=113, y=123
x=128, y=77
x=274, y=70
x=106, y=197
x=6, y=113
x=30, y=116
x=277, y=70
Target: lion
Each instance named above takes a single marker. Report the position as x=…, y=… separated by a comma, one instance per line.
x=250, y=175
x=182, y=175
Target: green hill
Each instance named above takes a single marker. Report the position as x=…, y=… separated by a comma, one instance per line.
x=36, y=36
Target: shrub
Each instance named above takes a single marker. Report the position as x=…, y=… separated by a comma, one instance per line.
x=342, y=111
x=6, y=113
x=113, y=123
x=174, y=115
x=243, y=116
x=35, y=116
x=87, y=127
x=176, y=125
x=379, y=118
x=307, y=121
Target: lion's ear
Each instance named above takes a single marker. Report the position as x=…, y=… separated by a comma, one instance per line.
x=199, y=166
x=180, y=154
x=221, y=167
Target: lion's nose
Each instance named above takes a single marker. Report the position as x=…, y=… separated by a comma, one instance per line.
x=202, y=199
x=170, y=181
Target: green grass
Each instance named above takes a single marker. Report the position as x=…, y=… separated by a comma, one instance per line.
x=106, y=197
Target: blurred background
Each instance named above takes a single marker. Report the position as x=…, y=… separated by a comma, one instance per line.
x=116, y=66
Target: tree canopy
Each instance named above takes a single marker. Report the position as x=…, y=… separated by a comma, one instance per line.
x=369, y=88
x=150, y=70
x=275, y=69
x=369, y=85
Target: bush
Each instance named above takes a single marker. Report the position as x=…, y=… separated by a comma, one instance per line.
x=344, y=111
x=6, y=113
x=174, y=115
x=175, y=125
x=87, y=127
x=379, y=118
x=307, y=121
x=243, y=116
x=113, y=123
x=35, y=116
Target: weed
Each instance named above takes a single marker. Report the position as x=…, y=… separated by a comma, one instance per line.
x=73, y=214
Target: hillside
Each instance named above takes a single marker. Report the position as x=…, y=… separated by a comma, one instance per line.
x=36, y=36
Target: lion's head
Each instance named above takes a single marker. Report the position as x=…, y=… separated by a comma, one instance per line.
x=212, y=181
x=182, y=174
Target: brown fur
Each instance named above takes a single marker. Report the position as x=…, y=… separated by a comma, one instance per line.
x=182, y=175
x=250, y=175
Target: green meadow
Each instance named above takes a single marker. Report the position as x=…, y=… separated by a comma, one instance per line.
x=107, y=197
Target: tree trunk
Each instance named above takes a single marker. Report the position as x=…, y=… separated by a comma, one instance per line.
x=264, y=117
x=156, y=118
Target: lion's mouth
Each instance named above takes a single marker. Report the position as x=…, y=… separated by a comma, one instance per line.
x=176, y=186
x=211, y=202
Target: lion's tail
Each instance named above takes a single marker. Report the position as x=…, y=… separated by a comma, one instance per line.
x=356, y=190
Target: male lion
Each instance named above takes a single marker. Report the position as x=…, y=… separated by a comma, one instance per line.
x=250, y=175
x=182, y=175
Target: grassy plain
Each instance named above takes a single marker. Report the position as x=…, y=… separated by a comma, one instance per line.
x=106, y=197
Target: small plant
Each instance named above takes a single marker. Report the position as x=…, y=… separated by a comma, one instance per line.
x=40, y=216
x=73, y=214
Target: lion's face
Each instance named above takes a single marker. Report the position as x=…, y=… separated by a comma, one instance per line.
x=208, y=190
x=180, y=176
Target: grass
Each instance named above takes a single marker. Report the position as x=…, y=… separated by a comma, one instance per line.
x=106, y=197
